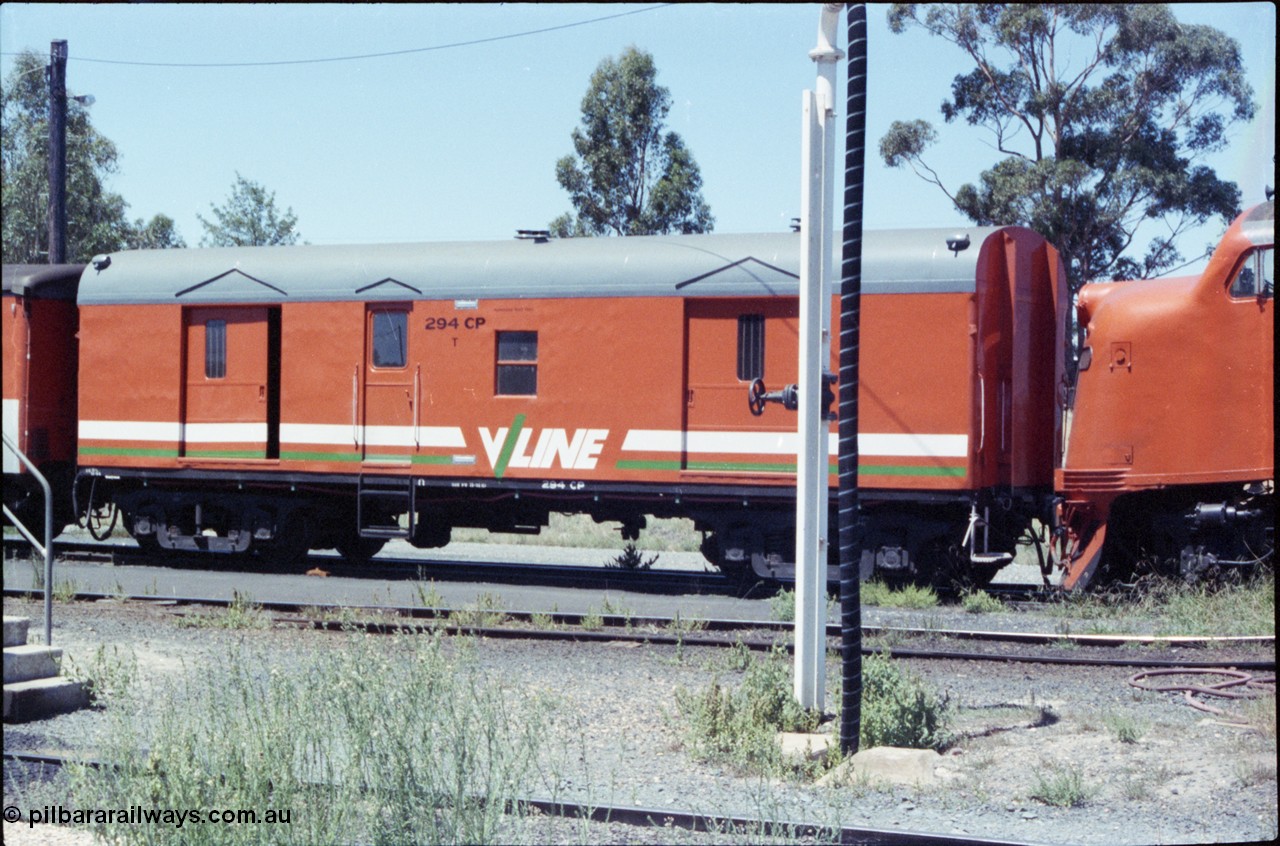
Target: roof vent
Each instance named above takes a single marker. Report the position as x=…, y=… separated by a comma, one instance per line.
x=100, y=263
x=537, y=236
x=958, y=242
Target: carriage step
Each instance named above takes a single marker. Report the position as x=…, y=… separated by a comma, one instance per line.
x=379, y=501
x=991, y=559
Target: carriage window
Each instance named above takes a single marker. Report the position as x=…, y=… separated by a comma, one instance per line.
x=215, y=349
x=517, y=368
x=390, y=348
x=750, y=347
x=1256, y=276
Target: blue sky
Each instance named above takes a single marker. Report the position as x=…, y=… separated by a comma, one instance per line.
x=460, y=143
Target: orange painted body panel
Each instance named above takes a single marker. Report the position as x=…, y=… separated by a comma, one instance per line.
x=605, y=367
x=39, y=363
x=131, y=375
x=1162, y=353
x=224, y=413
x=1178, y=391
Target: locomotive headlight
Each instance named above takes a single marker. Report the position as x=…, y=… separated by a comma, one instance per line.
x=1086, y=358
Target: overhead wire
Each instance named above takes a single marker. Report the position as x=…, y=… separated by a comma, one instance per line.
x=469, y=43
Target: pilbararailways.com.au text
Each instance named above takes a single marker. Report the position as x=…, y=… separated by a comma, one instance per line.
x=139, y=815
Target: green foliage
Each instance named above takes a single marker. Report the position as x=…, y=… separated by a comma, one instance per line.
x=898, y=709
x=738, y=727
x=485, y=612
x=159, y=234
x=1175, y=608
x=980, y=602
x=1103, y=113
x=374, y=742
x=782, y=606
x=96, y=221
x=241, y=613
x=632, y=558
x=628, y=177
x=249, y=219
x=907, y=596
x=1124, y=727
x=1061, y=785
x=109, y=677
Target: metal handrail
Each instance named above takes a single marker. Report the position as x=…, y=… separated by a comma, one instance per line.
x=45, y=549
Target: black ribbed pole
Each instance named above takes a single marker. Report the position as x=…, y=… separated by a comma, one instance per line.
x=57, y=152
x=848, y=510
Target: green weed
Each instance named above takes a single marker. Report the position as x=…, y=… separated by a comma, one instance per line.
x=898, y=709
x=632, y=559
x=980, y=602
x=376, y=742
x=1061, y=785
x=908, y=596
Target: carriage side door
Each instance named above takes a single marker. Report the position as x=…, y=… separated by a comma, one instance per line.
x=392, y=384
x=729, y=344
x=231, y=381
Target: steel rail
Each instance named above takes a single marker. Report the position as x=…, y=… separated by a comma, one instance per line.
x=671, y=632
x=547, y=575
x=658, y=817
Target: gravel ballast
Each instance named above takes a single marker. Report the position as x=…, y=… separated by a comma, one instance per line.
x=616, y=738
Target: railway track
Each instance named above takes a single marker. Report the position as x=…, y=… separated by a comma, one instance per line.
x=756, y=635
x=653, y=817
x=385, y=567
x=659, y=581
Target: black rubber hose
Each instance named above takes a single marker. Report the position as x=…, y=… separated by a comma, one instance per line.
x=848, y=510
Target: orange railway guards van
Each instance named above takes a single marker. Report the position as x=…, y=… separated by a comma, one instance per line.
x=303, y=397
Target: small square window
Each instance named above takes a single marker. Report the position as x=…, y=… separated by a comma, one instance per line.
x=517, y=367
x=215, y=349
x=390, y=347
x=750, y=347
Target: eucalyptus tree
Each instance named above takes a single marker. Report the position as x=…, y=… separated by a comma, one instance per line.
x=249, y=219
x=1102, y=115
x=627, y=175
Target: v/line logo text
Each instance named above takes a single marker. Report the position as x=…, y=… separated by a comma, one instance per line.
x=517, y=447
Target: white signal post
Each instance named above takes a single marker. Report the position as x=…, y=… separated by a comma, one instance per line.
x=812, y=457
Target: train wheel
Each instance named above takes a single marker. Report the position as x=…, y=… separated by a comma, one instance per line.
x=358, y=550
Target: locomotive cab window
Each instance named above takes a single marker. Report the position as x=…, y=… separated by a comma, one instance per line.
x=517, y=364
x=215, y=349
x=750, y=347
x=1256, y=276
x=389, y=347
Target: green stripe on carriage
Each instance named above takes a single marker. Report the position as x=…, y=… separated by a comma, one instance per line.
x=296, y=455
x=130, y=451
x=738, y=466
x=863, y=469
x=226, y=453
x=627, y=464
x=433, y=459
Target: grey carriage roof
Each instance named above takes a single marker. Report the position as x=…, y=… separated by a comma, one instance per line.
x=42, y=281
x=916, y=261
